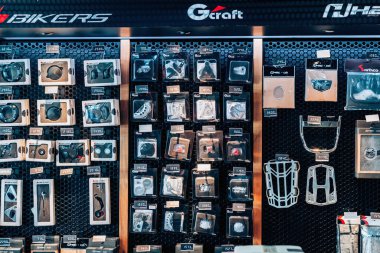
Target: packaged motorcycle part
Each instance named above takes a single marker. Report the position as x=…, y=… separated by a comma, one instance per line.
x=239, y=66
x=15, y=72
x=56, y=72
x=143, y=181
x=143, y=217
x=16, y=245
x=210, y=145
x=279, y=87
x=239, y=222
x=348, y=234
x=100, y=201
x=236, y=107
x=173, y=182
x=369, y=235
x=50, y=245
x=205, y=218
x=313, y=189
x=73, y=152
x=188, y=248
x=177, y=107
x=205, y=183
x=58, y=112
x=281, y=179
x=238, y=146
x=11, y=202
x=144, y=66
x=148, y=145
x=144, y=107
x=147, y=249
x=363, y=84
x=240, y=185
x=206, y=66
x=175, y=65
x=40, y=151
x=14, y=112
x=179, y=145
x=175, y=217
x=98, y=113
x=311, y=123
x=103, y=150
x=43, y=202
x=206, y=107
x=321, y=84
x=367, y=149
x=102, y=72
x=110, y=245
x=12, y=150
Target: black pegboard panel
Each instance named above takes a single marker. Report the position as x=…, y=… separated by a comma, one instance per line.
x=71, y=193
x=170, y=240
x=313, y=227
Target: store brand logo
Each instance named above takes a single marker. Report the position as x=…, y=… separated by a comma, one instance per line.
x=338, y=11
x=66, y=18
x=201, y=12
x=362, y=69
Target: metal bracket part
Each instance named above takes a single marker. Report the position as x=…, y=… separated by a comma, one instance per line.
x=278, y=175
x=334, y=124
x=329, y=187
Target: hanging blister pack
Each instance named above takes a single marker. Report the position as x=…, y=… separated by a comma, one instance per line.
x=175, y=217
x=100, y=201
x=143, y=181
x=363, y=84
x=144, y=105
x=56, y=72
x=12, y=150
x=206, y=105
x=282, y=182
x=143, y=218
x=175, y=65
x=239, y=220
x=173, y=182
x=348, y=233
x=40, y=151
x=237, y=106
x=56, y=112
x=105, y=72
x=11, y=202
x=15, y=72
x=103, y=150
x=43, y=202
x=14, y=112
x=73, y=152
x=321, y=84
x=240, y=185
x=206, y=65
x=99, y=113
x=279, y=87
x=238, y=146
x=205, y=182
x=369, y=235
x=177, y=107
x=148, y=145
x=144, y=65
x=205, y=218
x=179, y=144
x=239, y=66
x=209, y=144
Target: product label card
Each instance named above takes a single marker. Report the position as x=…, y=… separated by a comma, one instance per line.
x=362, y=65
x=321, y=64
x=275, y=71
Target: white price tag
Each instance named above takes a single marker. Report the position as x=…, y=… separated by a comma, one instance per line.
x=204, y=167
x=145, y=128
x=323, y=54
x=372, y=118
x=99, y=238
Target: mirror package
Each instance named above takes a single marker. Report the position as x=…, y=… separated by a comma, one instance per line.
x=179, y=145
x=11, y=202
x=239, y=67
x=188, y=248
x=363, y=84
x=175, y=217
x=143, y=218
x=98, y=113
x=321, y=84
x=148, y=145
x=175, y=65
x=14, y=112
x=209, y=144
x=205, y=183
x=12, y=150
x=73, y=152
x=43, y=202
x=205, y=218
x=100, y=201
x=206, y=66
x=103, y=150
x=147, y=249
x=173, y=182
x=236, y=106
x=239, y=222
x=105, y=72
x=144, y=66
x=143, y=181
x=240, y=185
x=15, y=72
x=57, y=112
x=206, y=106
x=238, y=146
x=144, y=107
x=40, y=151
x=56, y=72
x=279, y=87
x=177, y=107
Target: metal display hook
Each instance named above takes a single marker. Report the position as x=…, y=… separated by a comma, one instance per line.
x=323, y=124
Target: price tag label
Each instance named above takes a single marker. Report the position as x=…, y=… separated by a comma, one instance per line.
x=67, y=131
x=97, y=91
x=145, y=128
x=177, y=129
x=236, y=131
x=323, y=54
x=98, y=49
x=66, y=172
x=6, y=131
x=322, y=157
x=52, y=49
x=204, y=167
x=172, y=168
x=373, y=55
x=6, y=49
x=140, y=167
x=208, y=129
x=206, y=90
x=187, y=246
x=140, y=204
x=39, y=238
x=173, y=89
x=142, y=89
x=97, y=131
x=281, y=157
x=270, y=112
x=6, y=171
x=36, y=170
x=36, y=131
x=174, y=48
x=69, y=239
x=206, y=50
x=238, y=207
x=172, y=204
x=236, y=89
x=205, y=206
x=6, y=90
x=143, y=248
x=372, y=118
x=51, y=90
x=375, y=216
x=350, y=215
x=314, y=120
x=93, y=170
x=239, y=170
x=5, y=242
x=99, y=238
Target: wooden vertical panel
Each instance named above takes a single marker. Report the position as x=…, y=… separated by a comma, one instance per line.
x=124, y=150
x=257, y=139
